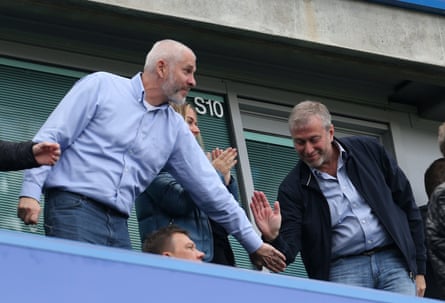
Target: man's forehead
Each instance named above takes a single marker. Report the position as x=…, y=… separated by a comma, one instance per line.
x=181, y=236
x=191, y=65
x=308, y=131
x=189, y=60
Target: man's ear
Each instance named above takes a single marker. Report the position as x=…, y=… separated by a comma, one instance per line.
x=161, y=69
x=166, y=253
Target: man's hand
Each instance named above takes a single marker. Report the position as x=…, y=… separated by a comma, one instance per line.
x=268, y=220
x=28, y=210
x=270, y=257
x=46, y=153
x=420, y=285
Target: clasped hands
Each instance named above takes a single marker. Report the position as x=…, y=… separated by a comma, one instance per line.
x=270, y=257
x=223, y=161
x=268, y=221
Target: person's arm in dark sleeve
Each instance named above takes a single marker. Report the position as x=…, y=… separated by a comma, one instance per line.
x=16, y=155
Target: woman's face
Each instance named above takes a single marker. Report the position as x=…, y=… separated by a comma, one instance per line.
x=192, y=121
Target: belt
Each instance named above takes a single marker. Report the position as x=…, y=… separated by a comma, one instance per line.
x=97, y=204
x=377, y=249
x=368, y=252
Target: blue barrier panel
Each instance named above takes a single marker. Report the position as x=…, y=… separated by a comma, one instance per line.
x=39, y=269
x=430, y=6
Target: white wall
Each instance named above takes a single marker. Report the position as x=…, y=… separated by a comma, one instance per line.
x=349, y=24
x=416, y=148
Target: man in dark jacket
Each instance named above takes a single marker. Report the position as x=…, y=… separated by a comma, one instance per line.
x=347, y=207
x=435, y=233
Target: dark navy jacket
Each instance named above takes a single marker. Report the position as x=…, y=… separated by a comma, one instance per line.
x=16, y=155
x=306, y=225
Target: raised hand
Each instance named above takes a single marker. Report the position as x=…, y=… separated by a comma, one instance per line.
x=268, y=220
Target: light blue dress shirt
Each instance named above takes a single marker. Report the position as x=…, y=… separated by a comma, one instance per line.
x=114, y=144
x=355, y=228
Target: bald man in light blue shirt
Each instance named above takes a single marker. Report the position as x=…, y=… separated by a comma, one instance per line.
x=116, y=134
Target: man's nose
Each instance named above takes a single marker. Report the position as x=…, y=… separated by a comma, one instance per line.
x=200, y=255
x=195, y=129
x=192, y=81
x=308, y=148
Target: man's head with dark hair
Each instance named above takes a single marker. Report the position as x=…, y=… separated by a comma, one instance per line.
x=434, y=175
x=172, y=241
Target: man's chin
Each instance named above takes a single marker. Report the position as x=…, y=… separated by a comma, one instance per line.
x=313, y=164
x=177, y=100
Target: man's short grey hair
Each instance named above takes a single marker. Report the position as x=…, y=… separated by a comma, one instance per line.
x=441, y=138
x=301, y=113
x=168, y=50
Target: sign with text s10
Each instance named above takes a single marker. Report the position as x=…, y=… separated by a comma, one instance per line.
x=213, y=118
x=207, y=104
x=209, y=107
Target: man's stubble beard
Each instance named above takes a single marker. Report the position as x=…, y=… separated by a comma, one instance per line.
x=171, y=90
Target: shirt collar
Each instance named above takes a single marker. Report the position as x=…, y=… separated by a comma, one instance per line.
x=341, y=158
x=138, y=88
x=139, y=93
x=343, y=153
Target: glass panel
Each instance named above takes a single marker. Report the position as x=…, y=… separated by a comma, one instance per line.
x=27, y=97
x=271, y=158
x=28, y=94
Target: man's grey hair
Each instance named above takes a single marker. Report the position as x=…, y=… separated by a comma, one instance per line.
x=301, y=113
x=168, y=50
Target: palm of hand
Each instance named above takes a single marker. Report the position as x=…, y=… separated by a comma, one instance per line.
x=268, y=221
x=223, y=161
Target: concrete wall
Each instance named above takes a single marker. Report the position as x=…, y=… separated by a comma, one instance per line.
x=388, y=30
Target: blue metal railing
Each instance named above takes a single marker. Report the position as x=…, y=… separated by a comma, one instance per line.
x=36, y=268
